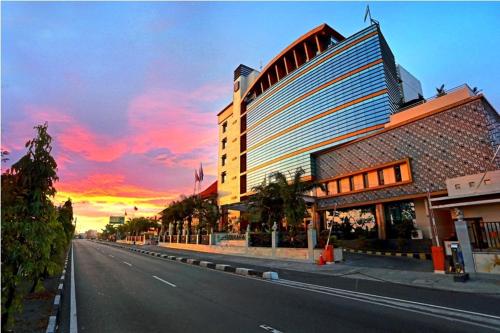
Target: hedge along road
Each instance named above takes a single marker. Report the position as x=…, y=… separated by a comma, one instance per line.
x=122, y=291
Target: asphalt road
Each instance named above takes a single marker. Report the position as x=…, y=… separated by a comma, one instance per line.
x=123, y=291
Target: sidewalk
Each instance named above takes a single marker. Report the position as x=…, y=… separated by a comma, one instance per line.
x=353, y=267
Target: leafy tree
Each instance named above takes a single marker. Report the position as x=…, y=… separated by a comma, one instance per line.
x=207, y=212
x=138, y=225
x=108, y=232
x=31, y=232
x=65, y=217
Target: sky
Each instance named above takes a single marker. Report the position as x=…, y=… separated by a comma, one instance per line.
x=130, y=90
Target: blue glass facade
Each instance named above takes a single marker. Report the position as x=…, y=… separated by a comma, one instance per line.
x=337, y=96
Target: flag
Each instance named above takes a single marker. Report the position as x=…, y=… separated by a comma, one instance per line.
x=367, y=13
x=196, y=177
x=201, y=172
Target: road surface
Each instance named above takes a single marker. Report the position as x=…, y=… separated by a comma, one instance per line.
x=123, y=291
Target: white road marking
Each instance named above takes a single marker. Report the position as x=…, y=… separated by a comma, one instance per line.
x=170, y=284
x=126, y=263
x=73, y=323
x=269, y=328
x=458, y=315
x=111, y=256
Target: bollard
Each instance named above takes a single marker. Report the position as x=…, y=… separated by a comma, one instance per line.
x=438, y=259
x=328, y=254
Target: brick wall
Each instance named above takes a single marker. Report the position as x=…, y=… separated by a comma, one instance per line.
x=452, y=143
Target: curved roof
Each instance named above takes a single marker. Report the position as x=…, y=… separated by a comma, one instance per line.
x=320, y=31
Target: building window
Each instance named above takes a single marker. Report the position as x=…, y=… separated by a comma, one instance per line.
x=457, y=187
x=224, y=142
x=400, y=219
x=338, y=186
x=351, y=183
x=223, y=177
x=397, y=173
x=365, y=180
x=380, y=174
x=472, y=184
x=224, y=159
x=224, y=127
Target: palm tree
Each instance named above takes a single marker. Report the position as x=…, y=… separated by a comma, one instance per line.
x=292, y=193
x=266, y=205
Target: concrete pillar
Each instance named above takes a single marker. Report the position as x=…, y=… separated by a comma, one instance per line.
x=198, y=237
x=211, y=237
x=311, y=242
x=315, y=217
x=170, y=238
x=464, y=240
x=247, y=237
x=380, y=217
x=274, y=239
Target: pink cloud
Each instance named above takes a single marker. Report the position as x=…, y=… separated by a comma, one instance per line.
x=99, y=148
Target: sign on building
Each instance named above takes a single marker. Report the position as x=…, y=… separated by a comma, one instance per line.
x=117, y=220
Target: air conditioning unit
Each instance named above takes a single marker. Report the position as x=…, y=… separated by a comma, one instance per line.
x=417, y=234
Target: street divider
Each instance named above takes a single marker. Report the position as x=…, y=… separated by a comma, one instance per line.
x=207, y=264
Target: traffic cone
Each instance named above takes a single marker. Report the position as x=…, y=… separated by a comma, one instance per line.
x=321, y=261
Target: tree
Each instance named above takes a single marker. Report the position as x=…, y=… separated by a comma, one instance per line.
x=207, y=212
x=108, y=232
x=266, y=205
x=65, y=217
x=291, y=192
x=31, y=232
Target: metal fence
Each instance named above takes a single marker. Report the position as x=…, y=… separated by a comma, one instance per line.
x=484, y=235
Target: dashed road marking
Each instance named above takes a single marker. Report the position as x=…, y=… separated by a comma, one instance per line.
x=112, y=256
x=269, y=328
x=160, y=279
x=126, y=263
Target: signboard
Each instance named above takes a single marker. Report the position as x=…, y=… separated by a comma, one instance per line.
x=117, y=220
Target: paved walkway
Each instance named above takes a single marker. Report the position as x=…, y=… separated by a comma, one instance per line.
x=417, y=273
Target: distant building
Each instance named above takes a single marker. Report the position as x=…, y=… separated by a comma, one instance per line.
x=91, y=234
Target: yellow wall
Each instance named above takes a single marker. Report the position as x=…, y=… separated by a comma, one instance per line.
x=228, y=192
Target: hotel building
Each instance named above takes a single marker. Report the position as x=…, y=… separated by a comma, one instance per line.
x=321, y=91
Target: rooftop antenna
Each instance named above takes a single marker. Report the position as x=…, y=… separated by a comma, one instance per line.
x=369, y=15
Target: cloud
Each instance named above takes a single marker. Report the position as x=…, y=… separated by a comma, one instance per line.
x=100, y=148
x=169, y=119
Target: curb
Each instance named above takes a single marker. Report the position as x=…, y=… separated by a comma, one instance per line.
x=56, y=304
x=414, y=255
x=206, y=264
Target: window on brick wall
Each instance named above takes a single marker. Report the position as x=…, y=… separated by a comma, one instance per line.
x=380, y=174
x=223, y=159
x=223, y=177
x=397, y=173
